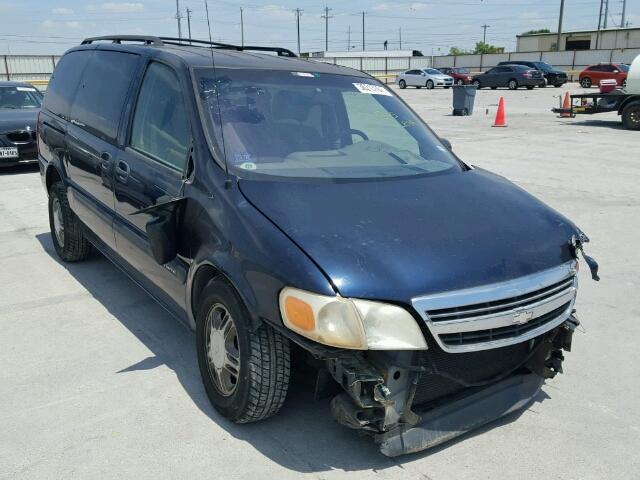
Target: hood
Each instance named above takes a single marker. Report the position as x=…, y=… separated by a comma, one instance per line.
x=396, y=239
x=17, y=119
x=442, y=76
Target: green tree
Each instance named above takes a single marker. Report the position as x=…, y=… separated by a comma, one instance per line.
x=533, y=32
x=458, y=51
x=482, y=47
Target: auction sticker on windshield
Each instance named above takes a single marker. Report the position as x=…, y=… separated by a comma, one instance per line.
x=372, y=89
x=8, y=152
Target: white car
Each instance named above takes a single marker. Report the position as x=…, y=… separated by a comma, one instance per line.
x=425, y=77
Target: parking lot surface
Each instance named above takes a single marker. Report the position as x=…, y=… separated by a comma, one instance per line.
x=97, y=381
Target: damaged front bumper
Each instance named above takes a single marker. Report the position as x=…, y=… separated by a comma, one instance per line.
x=410, y=401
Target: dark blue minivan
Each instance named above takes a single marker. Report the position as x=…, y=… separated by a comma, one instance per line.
x=294, y=212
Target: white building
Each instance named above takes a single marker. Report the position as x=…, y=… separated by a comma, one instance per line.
x=611, y=38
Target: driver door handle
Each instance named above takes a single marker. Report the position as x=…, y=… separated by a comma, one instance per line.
x=122, y=171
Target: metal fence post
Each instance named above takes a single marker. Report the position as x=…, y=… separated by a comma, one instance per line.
x=481, y=58
x=6, y=67
x=386, y=71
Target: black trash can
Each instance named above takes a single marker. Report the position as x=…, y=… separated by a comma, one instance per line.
x=463, y=99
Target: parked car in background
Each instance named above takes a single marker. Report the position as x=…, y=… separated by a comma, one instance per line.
x=460, y=75
x=426, y=77
x=604, y=71
x=551, y=76
x=510, y=76
x=19, y=106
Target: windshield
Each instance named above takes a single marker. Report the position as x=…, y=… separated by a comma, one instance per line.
x=624, y=68
x=432, y=71
x=311, y=125
x=462, y=70
x=16, y=97
x=543, y=66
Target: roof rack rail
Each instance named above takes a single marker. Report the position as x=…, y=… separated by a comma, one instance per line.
x=282, y=52
x=160, y=41
x=146, y=39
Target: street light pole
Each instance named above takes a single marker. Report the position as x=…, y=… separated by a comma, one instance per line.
x=363, y=44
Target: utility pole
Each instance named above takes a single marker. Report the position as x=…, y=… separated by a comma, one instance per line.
x=400, y=34
x=363, y=44
x=624, y=13
x=484, y=35
x=326, y=28
x=606, y=14
x=179, y=17
x=560, y=25
x=241, y=28
x=298, y=13
x=189, y=12
x=599, y=24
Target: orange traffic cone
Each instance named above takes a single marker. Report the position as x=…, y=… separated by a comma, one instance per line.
x=566, y=105
x=501, y=119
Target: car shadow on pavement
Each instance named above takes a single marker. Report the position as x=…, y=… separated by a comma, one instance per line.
x=303, y=437
x=615, y=124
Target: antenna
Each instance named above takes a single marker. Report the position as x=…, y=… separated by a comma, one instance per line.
x=227, y=182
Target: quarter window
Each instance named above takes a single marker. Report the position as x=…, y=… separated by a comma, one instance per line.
x=160, y=127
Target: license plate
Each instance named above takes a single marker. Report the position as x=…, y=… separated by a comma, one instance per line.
x=8, y=152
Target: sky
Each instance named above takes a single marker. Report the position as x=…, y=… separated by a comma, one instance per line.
x=432, y=26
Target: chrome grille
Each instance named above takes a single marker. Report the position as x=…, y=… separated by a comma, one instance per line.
x=500, y=314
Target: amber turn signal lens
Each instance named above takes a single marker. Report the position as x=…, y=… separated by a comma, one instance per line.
x=299, y=313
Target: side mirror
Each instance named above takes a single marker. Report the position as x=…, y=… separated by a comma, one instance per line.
x=446, y=143
x=423, y=74
x=616, y=71
x=161, y=232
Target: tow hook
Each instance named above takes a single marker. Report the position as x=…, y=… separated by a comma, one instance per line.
x=577, y=245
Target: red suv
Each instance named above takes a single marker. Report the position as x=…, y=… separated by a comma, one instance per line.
x=604, y=71
x=461, y=76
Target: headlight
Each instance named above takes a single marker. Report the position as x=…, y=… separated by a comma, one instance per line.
x=350, y=323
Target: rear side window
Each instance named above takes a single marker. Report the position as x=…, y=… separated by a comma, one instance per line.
x=102, y=93
x=64, y=82
x=160, y=126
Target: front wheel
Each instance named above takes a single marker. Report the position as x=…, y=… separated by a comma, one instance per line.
x=513, y=84
x=402, y=84
x=66, y=230
x=585, y=82
x=245, y=370
x=476, y=83
x=429, y=84
x=631, y=116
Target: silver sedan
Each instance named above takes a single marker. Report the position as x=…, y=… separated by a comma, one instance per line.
x=425, y=77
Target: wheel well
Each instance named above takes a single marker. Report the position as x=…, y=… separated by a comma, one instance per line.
x=627, y=102
x=202, y=277
x=52, y=177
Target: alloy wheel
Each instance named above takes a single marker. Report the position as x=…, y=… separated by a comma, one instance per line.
x=222, y=349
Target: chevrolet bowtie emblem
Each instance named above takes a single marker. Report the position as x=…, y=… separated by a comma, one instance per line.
x=522, y=317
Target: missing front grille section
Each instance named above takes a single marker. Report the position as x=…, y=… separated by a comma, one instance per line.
x=501, y=333
x=498, y=306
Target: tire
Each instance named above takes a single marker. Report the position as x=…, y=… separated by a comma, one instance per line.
x=530, y=87
x=402, y=84
x=459, y=82
x=418, y=87
x=67, y=232
x=477, y=84
x=631, y=116
x=512, y=84
x=429, y=85
x=585, y=82
x=493, y=88
x=262, y=357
